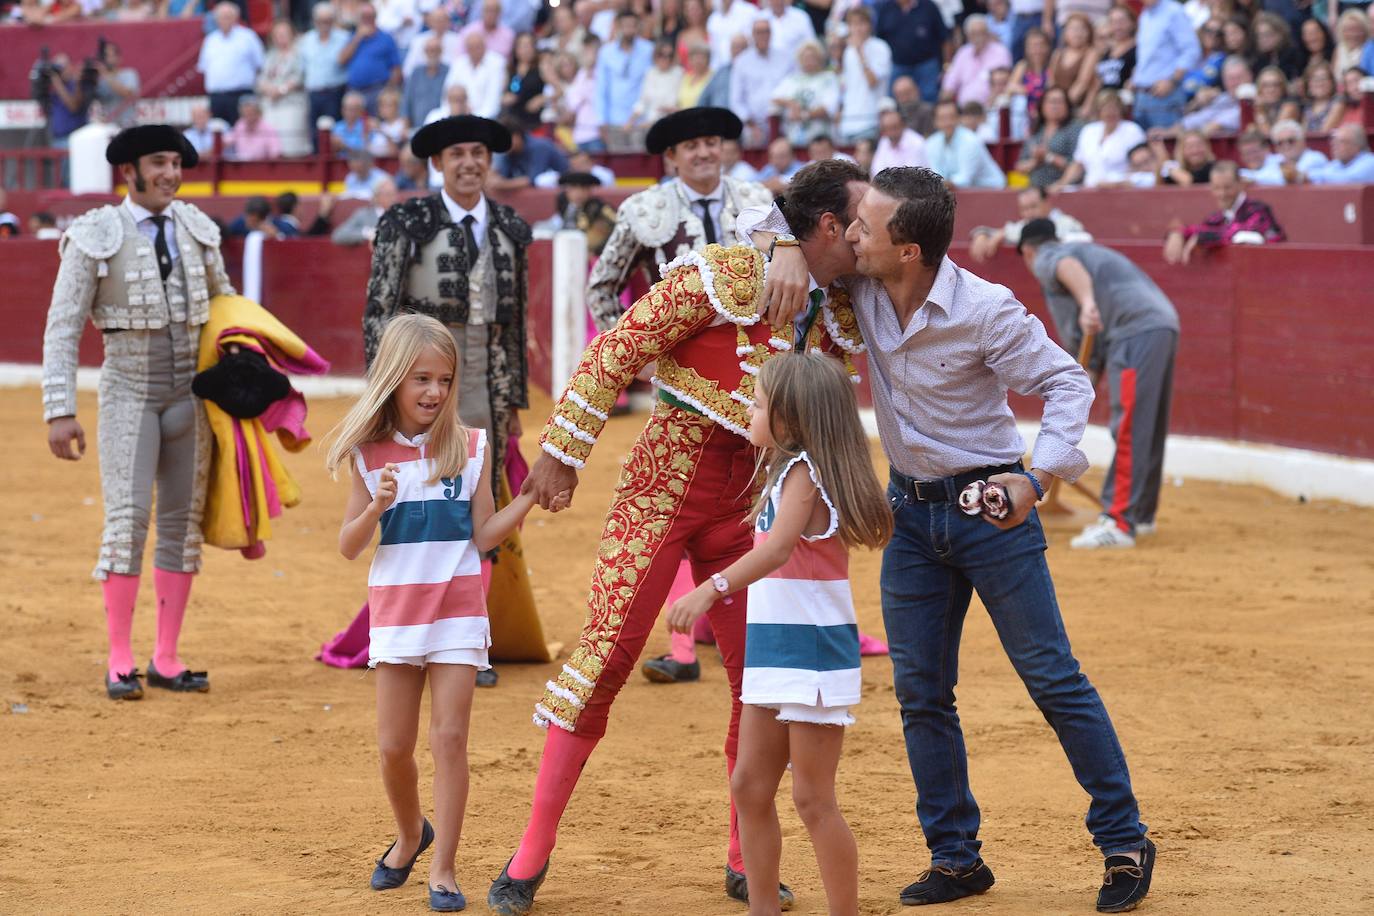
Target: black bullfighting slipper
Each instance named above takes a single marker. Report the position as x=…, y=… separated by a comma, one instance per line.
x=664, y=670
x=514, y=896
x=385, y=878
x=187, y=681
x=486, y=678
x=737, y=888
x=1125, y=884
x=941, y=884
x=443, y=900
x=124, y=687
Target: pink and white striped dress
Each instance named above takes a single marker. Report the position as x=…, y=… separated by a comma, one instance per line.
x=425, y=586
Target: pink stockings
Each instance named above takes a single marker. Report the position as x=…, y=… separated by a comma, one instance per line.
x=565, y=754
x=121, y=596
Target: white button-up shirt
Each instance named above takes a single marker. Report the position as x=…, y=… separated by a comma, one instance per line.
x=484, y=81
x=230, y=62
x=478, y=213
x=143, y=218
x=717, y=198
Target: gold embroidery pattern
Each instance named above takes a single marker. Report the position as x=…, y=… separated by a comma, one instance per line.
x=688, y=385
x=737, y=280
x=840, y=321
x=648, y=497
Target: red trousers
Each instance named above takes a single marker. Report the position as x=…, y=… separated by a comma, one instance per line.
x=686, y=488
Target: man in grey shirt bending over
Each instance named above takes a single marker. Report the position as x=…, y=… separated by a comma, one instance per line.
x=1094, y=290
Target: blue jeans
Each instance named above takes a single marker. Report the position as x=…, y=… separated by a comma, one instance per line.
x=1152, y=111
x=937, y=558
x=926, y=74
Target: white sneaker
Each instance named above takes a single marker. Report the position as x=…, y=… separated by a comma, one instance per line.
x=1100, y=535
x=1145, y=530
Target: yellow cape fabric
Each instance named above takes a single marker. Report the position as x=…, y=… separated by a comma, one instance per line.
x=517, y=634
x=224, y=524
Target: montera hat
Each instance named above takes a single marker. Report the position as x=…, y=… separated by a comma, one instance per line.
x=432, y=139
x=579, y=180
x=145, y=139
x=690, y=123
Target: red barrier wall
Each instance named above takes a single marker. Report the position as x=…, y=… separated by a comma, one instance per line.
x=1275, y=344
x=151, y=48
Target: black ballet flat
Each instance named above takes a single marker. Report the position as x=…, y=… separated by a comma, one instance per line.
x=385, y=878
x=124, y=687
x=514, y=896
x=443, y=900
x=187, y=681
x=487, y=678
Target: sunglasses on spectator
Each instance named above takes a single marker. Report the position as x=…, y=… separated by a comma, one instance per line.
x=1285, y=141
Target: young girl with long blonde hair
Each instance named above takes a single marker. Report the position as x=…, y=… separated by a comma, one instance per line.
x=819, y=497
x=425, y=480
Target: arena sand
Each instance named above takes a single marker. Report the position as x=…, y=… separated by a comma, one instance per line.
x=1234, y=651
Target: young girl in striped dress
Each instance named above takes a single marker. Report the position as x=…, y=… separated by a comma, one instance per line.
x=426, y=481
x=819, y=497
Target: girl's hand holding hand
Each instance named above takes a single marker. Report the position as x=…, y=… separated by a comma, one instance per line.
x=688, y=609
x=386, y=491
x=562, y=501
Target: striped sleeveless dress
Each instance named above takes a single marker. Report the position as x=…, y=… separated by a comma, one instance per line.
x=801, y=651
x=425, y=586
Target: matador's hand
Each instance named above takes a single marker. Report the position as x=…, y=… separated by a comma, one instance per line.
x=785, y=291
x=61, y=432
x=551, y=482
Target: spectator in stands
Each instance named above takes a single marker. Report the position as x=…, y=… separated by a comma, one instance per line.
x=362, y=177
x=437, y=25
x=1352, y=36
x=42, y=226
x=49, y=12
x=523, y=98
x=482, y=72
x=9, y=222
x=729, y=20
x=754, y=75
x=288, y=227
x=361, y=225
x=1117, y=63
x=325, y=79
x=823, y=147
x=621, y=66
x=412, y=172
x=69, y=101
x=1032, y=203
x=1049, y=151
x=1192, y=163
x=281, y=89
x=400, y=19
x=1291, y=160
x=1273, y=42
x=999, y=100
x=390, y=131
x=1351, y=161
x=1353, y=95
x=658, y=93
x=1032, y=74
x=371, y=59
x=1207, y=74
x=1073, y=66
x=696, y=77
x=865, y=74
x=1166, y=49
x=578, y=162
x=256, y=217
x=199, y=133
x=1217, y=111
x=566, y=33
x=916, y=33
x=791, y=28
x=251, y=139
x=732, y=165
x=529, y=157
x=230, y=58
x=808, y=98
x=976, y=118
x=1272, y=101
x=782, y=165
x=1315, y=42
x=118, y=87
x=1101, y=156
x=455, y=103
x=499, y=37
x=967, y=75
x=578, y=208
x=572, y=99
x=1144, y=169
x=424, y=86
x=1324, y=108
x=694, y=33
x=956, y=153
x=1027, y=15
x=1002, y=24
x=1235, y=36
x=1240, y=220
x=352, y=132
x=916, y=112
x=1252, y=151
x=863, y=154
x=898, y=145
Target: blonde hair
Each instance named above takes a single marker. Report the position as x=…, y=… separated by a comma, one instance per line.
x=812, y=409
x=373, y=418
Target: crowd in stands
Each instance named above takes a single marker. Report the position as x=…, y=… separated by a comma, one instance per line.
x=1098, y=94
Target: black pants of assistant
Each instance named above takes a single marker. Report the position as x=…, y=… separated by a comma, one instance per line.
x=1140, y=381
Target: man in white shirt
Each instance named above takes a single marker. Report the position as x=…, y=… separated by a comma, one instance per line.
x=230, y=58
x=754, y=75
x=898, y=145
x=791, y=27
x=866, y=68
x=436, y=23
x=1032, y=203
x=482, y=72
x=731, y=18
x=1290, y=162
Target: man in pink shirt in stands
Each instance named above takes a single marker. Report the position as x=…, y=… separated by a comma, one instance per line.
x=499, y=36
x=898, y=145
x=967, y=76
x=251, y=138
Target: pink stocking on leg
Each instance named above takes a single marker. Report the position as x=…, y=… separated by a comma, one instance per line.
x=173, y=588
x=564, y=756
x=683, y=646
x=121, y=594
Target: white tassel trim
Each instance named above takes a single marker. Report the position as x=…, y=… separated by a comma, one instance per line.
x=744, y=351
x=751, y=369
x=777, y=343
x=543, y=718
x=705, y=411
x=708, y=280
x=578, y=676
x=563, y=458
x=742, y=398
x=833, y=328
x=565, y=693
x=573, y=431
x=580, y=401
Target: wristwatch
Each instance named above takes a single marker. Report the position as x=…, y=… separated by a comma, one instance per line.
x=784, y=240
x=722, y=587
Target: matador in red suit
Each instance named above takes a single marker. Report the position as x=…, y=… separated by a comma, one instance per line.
x=685, y=490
